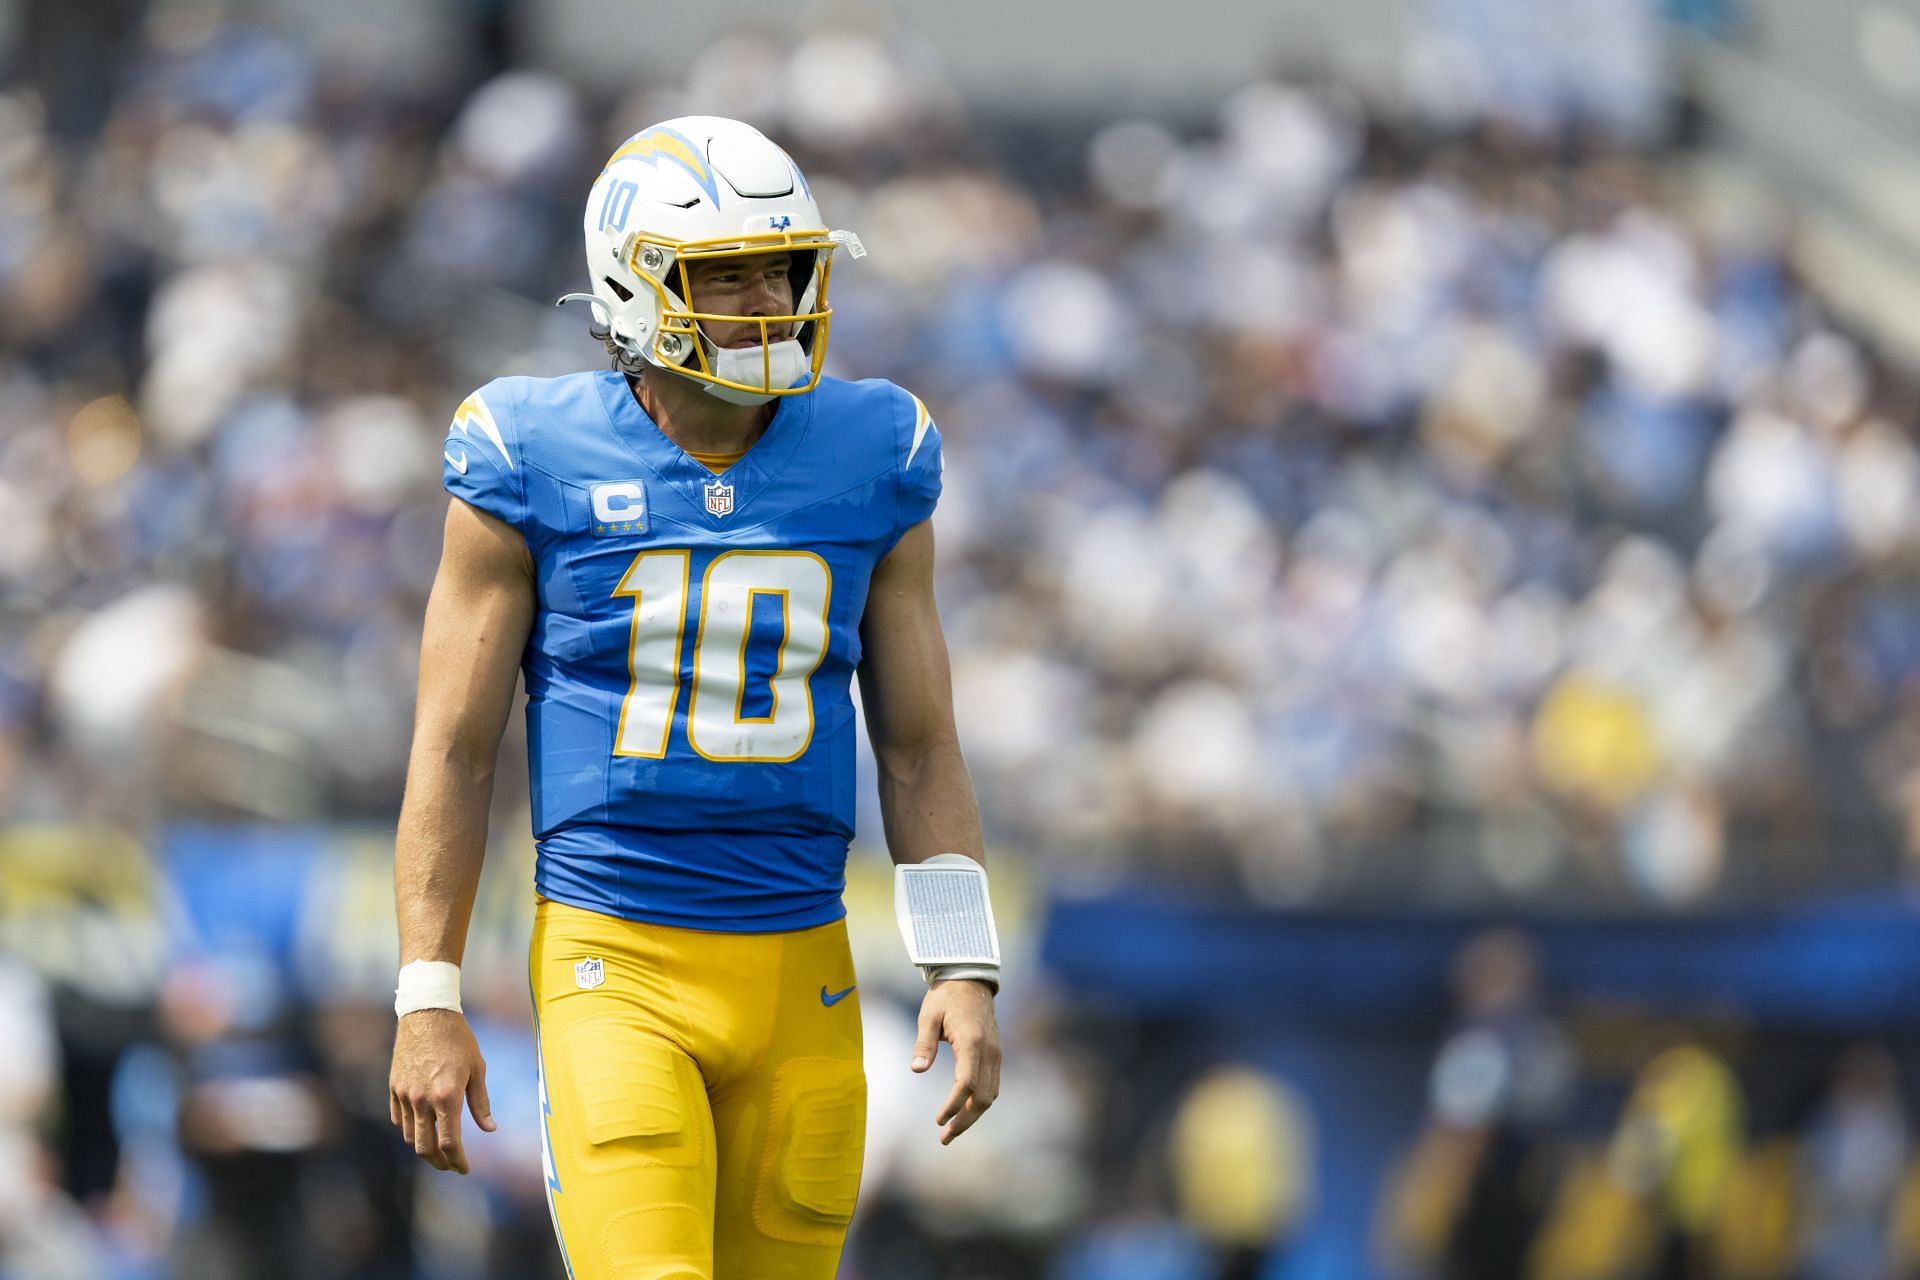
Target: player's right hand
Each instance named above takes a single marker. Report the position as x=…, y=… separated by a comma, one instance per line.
x=437, y=1064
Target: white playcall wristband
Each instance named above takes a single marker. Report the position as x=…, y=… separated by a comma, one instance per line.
x=946, y=918
x=427, y=984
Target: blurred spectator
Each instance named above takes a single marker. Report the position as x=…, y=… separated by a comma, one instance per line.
x=1853, y=1162
x=1678, y=1145
x=1242, y=1155
x=1473, y=1192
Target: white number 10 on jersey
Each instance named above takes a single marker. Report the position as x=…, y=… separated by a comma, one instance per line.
x=716, y=727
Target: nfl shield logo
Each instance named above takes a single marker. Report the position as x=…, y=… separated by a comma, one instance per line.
x=589, y=973
x=719, y=499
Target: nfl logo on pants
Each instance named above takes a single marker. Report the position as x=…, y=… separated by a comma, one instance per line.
x=719, y=499
x=589, y=973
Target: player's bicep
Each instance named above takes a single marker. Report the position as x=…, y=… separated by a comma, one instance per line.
x=905, y=683
x=478, y=618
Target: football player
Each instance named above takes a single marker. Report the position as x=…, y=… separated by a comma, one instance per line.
x=689, y=557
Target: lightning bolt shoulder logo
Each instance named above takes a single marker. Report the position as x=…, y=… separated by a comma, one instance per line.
x=922, y=422
x=473, y=412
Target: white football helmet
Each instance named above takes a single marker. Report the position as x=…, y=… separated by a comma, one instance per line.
x=708, y=187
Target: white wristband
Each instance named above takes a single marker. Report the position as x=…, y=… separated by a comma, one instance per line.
x=427, y=984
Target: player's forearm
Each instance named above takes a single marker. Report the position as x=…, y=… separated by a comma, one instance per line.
x=439, y=848
x=927, y=803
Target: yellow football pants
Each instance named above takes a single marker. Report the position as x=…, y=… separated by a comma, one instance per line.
x=703, y=1096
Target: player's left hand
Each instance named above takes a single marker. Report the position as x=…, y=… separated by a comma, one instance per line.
x=961, y=1013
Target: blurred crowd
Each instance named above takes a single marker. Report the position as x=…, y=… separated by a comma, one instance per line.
x=1456, y=507
x=1339, y=504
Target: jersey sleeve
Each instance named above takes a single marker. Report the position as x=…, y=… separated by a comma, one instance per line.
x=921, y=467
x=478, y=463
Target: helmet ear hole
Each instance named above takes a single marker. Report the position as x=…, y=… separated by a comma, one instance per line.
x=626, y=294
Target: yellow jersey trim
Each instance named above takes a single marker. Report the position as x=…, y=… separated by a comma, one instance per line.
x=717, y=462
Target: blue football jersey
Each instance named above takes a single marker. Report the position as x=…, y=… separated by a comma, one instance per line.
x=689, y=717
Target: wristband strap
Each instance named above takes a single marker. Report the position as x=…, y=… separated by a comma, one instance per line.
x=987, y=973
x=427, y=984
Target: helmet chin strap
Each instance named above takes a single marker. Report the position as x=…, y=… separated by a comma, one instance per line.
x=786, y=363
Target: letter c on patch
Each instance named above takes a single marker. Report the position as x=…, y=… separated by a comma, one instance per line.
x=619, y=501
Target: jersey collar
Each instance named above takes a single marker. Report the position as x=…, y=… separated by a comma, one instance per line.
x=757, y=468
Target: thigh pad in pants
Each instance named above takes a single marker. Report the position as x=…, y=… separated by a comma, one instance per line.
x=816, y=1139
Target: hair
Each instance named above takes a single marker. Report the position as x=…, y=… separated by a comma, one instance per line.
x=622, y=361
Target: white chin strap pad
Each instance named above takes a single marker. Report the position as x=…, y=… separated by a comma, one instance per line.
x=786, y=364
x=946, y=917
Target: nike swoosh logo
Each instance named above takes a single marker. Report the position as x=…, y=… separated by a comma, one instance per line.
x=459, y=464
x=835, y=998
